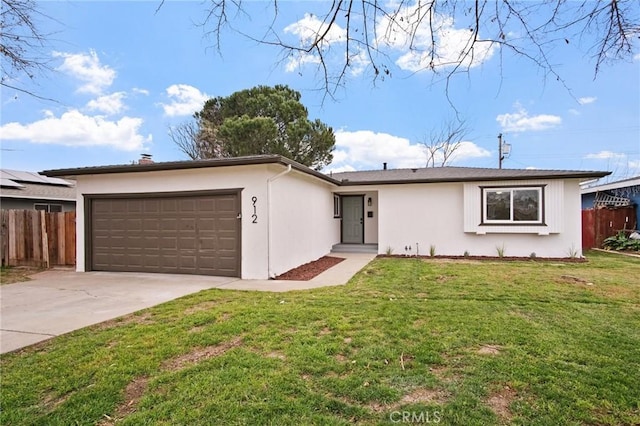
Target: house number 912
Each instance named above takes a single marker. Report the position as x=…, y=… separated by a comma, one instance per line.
x=254, y=216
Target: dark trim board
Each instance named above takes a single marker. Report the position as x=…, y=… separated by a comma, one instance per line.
x=88, y=210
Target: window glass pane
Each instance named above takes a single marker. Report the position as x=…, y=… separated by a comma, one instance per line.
x=526, y=205
x=41, y=207
x=498, y=205
x=55, y=208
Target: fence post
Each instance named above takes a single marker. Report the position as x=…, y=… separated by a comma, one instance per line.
x=4, y=244
x=45, y=240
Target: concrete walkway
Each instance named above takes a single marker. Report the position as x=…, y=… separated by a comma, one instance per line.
x=55, y=302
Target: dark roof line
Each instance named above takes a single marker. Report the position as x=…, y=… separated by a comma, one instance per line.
x=372, y=177
x=191, y=164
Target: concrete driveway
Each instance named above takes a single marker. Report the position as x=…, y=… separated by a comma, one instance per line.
x=55, y=302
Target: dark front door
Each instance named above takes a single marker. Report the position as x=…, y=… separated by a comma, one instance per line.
x=353, y=219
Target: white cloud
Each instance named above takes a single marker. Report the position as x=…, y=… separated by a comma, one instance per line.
x=185, y=100
x=636, y=57
x=108, y=104
x=407, y=32
x=413, y=35
x=364, y=149
x=309, y=27
x=604, y=155
x=521, y=121
x=370, y=150
x=299, y=59
x=307, y=30
x=574, y=111
x=358, y=62
x=87, y=68
x=140, y=91
x=76, y=129
x=587, y=100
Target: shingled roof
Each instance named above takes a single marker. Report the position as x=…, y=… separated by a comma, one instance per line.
x=455, y=174
x=29, y=185
x=391, y=176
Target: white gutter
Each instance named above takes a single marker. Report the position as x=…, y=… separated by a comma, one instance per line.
x=271, y=179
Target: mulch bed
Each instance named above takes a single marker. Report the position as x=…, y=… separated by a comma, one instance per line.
x=311, y=269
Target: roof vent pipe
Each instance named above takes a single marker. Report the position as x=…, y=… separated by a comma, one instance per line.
x=384, y=166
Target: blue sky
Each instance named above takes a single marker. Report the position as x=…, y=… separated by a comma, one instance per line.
x=123, y=74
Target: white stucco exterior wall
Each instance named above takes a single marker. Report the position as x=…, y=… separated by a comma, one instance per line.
x=302, y=224
x=434, y=214
x=250, y=179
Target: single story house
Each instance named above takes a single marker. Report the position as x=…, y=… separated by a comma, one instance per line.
x=20, y=190
x=256, y=217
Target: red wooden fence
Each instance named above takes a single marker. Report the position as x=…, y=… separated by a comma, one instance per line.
x=599, y=224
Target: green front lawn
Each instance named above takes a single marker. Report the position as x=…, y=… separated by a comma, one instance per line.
x=407, y=340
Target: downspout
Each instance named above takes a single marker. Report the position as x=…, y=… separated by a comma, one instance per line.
x=271, y=179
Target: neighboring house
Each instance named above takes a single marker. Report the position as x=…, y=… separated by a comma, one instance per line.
x=259, y=216
x=613, y=194
x=31, y=191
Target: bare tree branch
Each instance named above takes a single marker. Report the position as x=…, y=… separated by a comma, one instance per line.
x=442, y=144
x=528, y=29
x=22, y=44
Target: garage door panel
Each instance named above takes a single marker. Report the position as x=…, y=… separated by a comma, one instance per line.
x=151, y=206
x=151, y=225
x=187, y=205
x=191, y=234
x=169, y=205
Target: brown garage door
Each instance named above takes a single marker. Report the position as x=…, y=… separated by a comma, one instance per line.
x=195, y=234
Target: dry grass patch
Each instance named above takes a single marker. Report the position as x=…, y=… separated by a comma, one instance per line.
x=489, y=350
x=500, y=401
x=201, y=354
x=416, y=396
x=51, y=402
x=324, y=331
x=204, y=306
x=132, y=395
x=276, y=355
x=570, y=279
x=425, y=396
x=144, y=318
x=17, y=274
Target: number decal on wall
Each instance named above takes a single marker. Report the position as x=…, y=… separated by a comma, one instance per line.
x=254, y=216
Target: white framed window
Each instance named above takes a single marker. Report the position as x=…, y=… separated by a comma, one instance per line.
x=337, y=213
x=51, y=208
x=513, y=205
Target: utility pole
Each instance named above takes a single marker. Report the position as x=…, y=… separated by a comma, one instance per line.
x=500, y=156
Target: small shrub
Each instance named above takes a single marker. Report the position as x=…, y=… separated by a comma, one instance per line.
x=500, y=250
x=466, y=253
x=572, y=252
x=389, y=251
x=533, y=255
x=432, y=250
x=621, y=242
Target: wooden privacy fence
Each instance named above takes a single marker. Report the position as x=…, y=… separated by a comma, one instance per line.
x=37, y=238
x=598, y=224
